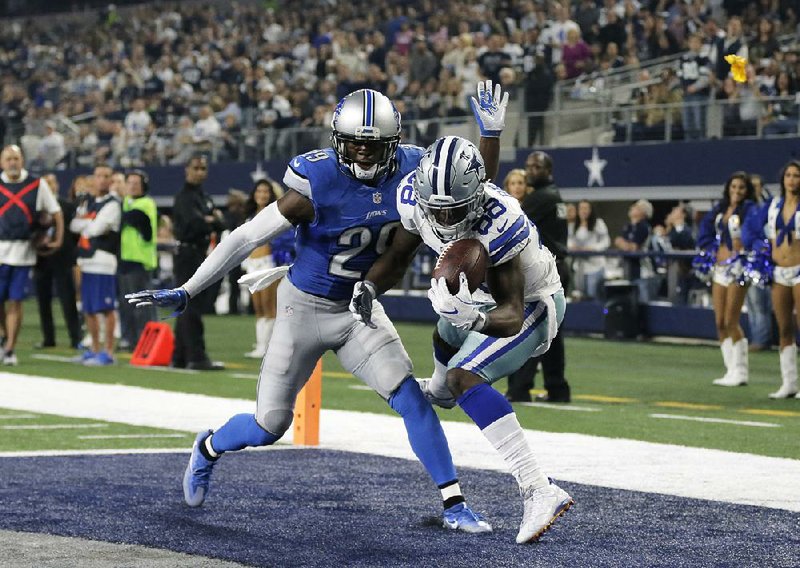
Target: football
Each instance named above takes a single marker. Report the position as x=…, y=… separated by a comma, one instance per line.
x=467, y=256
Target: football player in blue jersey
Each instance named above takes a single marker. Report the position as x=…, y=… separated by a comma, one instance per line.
x=485, y=335
x=342, y=202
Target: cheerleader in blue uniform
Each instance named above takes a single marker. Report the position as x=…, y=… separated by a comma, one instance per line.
x=721, y=230
x=778, y=221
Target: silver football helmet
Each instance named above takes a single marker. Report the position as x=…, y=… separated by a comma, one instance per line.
x=366, y=116
x=448, y=186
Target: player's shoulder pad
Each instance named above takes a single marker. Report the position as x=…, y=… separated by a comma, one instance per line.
x=406, y=203
x=311, y=169
x=509, y=230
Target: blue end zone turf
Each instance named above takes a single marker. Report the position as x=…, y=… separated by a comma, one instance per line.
x=301, y=507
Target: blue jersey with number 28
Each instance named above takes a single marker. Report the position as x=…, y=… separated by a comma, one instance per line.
x=353, y=221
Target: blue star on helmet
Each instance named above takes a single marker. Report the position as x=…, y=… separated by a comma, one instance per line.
x=474, y=163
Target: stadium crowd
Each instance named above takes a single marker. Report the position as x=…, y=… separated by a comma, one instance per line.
x=155, y=83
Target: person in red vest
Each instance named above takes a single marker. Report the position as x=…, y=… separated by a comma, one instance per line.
x=25, y=202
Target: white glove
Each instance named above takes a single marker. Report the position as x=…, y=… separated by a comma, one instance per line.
x=459, y=310
x=364, y=294
x=489, y=109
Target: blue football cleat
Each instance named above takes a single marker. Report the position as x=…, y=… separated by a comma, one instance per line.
x=198, y=474
x=461, y=518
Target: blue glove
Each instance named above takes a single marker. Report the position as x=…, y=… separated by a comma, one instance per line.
x=490, y=109
x=364, y=294
x=176, y=298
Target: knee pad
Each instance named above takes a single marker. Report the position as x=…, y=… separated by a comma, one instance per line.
x=275, y=421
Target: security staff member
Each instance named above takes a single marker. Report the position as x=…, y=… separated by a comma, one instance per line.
x=195, y=218
x=544, y=206
x=138, y=255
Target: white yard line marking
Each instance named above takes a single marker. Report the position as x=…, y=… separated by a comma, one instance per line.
x=244, y=376
x=65, y=359
x=360, y=387
x=716, y=420
x=19, y=416
x=579, y=458
x=556, y=406
x=131, y=436
x=59, y=358
x=51, y=426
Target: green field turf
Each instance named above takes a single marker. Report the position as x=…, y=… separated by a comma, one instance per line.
x=617, y=388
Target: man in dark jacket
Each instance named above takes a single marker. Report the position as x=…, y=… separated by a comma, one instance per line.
x=195, y=218
x=54, y=271
x=543, y=205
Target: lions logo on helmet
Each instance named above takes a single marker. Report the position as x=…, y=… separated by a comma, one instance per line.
x=448, y=186
x=366, y=116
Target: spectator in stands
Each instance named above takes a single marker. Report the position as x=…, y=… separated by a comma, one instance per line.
x=635, y=237
x=554, y=35
x=137, y=124
x=764, y=44
x=695, y=80
x=423, y=63
x=54, y=271
x=758, y=299
x=722, y=227
x=733, y=43
x=575, y=54
x=538, y=81
x=97, y=223
x=18, y=204
x=206, y=132
x=137, y=256
x=52, y=149
x=514, y=184
x=782, y=116
x=494, y=58
x=678, y=235
x=590, y=235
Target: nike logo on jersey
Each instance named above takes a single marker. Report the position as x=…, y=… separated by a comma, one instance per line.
x=503, y=228
x=450, y=313
x=296, y=163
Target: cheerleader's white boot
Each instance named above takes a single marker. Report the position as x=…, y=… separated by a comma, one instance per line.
x=788, y=359
x=740, y=367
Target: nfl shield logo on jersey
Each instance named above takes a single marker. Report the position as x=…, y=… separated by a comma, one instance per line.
x=377, y=198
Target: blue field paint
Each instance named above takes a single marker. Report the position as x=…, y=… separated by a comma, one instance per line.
x=302, y=507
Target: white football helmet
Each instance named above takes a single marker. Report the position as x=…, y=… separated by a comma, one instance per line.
x=448, y=186
x=366, y=116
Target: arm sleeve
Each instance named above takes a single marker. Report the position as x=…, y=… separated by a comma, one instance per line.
x=139, y=221
x=237, y=246
x=45, y=200
x=107, y=220
x=754, y=223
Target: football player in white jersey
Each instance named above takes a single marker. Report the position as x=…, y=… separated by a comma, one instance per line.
x=480, y=336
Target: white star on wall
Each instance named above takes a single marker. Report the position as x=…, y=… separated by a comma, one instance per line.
x=595, y=167
x=259, y=173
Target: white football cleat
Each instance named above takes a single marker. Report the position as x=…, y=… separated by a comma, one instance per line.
x=542, y=507
x=786, y=391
